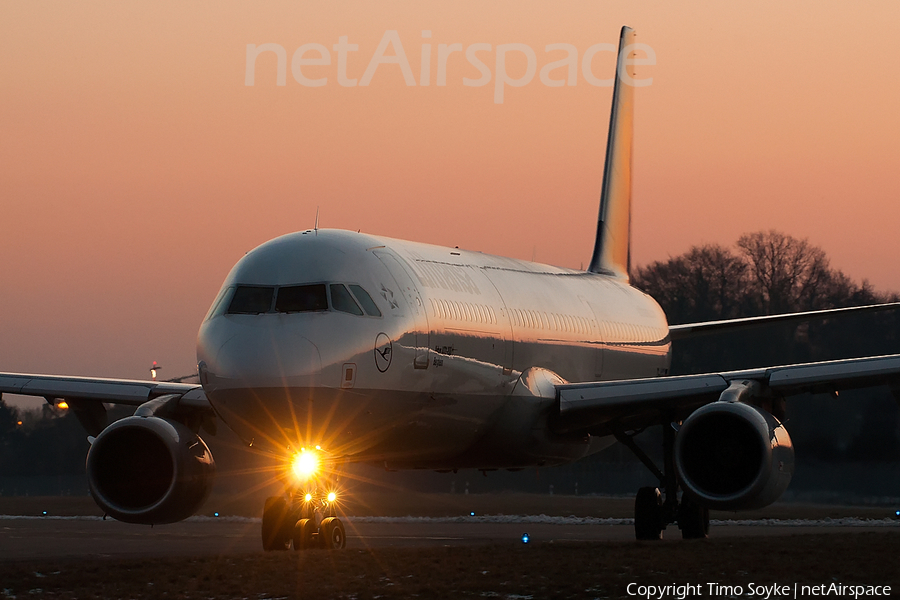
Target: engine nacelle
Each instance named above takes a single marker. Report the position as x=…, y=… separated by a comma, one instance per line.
x=149, y=470
x=733, y=456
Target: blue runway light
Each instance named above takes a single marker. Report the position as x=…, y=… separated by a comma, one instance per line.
x=525, y=538
x=471, y=514
x=44, y=513
x=215, y=514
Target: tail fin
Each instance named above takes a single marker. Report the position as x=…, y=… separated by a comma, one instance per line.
x=612, y=249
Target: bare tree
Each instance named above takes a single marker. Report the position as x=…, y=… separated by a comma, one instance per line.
x=787, y=274
x=706, y=283
x=771, y=273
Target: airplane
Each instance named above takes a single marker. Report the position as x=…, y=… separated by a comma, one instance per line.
x=328, y=347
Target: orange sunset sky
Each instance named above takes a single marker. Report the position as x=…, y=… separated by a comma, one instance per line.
x=136, y=166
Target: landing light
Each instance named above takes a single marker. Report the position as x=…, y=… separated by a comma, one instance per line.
x=332, y=496
x=308, y=498
x=305, y=464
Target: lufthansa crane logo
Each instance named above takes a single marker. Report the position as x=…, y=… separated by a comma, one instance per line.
x=383, y=352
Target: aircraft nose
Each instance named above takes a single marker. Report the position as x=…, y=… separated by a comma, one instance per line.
x=253, y=357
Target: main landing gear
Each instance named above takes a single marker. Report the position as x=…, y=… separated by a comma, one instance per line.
x=653, y=511
x=303, y=520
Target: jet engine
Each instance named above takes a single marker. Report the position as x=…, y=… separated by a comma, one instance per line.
x=149, y=470
x=733, y=456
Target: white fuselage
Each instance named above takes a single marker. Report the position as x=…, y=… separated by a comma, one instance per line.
x=435, y=381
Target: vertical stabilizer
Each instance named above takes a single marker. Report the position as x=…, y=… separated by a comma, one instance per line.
x=612, y=249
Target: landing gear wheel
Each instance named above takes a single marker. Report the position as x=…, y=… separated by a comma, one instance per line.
x=648, y=521
x=275, y=527
x=693, y=520
x=302, y=535
x=332, y=533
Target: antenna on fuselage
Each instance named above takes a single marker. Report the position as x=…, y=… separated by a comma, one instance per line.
x=316, y=226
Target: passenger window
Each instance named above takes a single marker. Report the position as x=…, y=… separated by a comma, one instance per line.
x=251, y=300
x=367, y=303
x=342, y=300
x=301, y=298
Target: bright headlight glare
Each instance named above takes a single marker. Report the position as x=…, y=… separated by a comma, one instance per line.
x=332, y=496
x=308, y=497
x=305, y=464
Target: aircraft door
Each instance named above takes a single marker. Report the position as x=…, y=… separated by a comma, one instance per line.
x=413, y=299
x=596, y=338
x=506, y=337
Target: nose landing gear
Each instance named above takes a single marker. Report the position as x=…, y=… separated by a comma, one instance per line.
x=331, y=532
x=302, y=520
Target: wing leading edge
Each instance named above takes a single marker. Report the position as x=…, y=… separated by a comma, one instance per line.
x=115, y=391
x=641, y=402
x=86, y=397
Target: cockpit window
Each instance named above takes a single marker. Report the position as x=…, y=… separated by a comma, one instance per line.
x=221, y=303
x=301, y=298
x=366, y=300
x=342, y=300
x=251, y=300
x=257, y=299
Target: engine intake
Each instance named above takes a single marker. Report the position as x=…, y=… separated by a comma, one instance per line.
x=149, y=470
x=733, y=456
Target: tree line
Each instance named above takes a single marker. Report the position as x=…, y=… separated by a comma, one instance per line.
x=766, y=273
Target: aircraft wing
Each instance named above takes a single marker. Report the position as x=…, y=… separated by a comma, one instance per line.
x=630, y=404
x=115, y=391
x=689, y=330
x=86, y=397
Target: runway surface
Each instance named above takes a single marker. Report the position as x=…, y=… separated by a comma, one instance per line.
x=25, y=538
